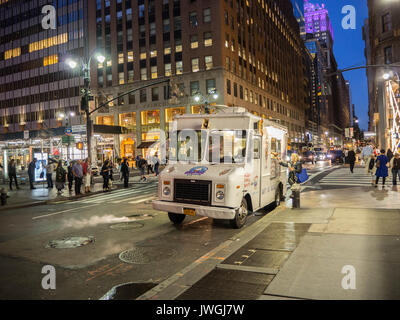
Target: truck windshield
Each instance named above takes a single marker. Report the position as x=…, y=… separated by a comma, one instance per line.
x=227, y=146
x=187, y=145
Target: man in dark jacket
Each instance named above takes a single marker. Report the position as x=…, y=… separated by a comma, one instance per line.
x=12, y=173
x=125, y=172
x=352, y=159
x=31, y=173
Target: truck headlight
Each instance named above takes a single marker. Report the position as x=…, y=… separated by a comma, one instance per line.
x=220, y=195
x=166, y=191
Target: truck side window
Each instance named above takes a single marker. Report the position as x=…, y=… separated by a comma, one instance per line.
x=256, y=148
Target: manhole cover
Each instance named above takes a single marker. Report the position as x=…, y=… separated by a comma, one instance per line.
x=70, y=242
x=144, y=255
x=127, y=226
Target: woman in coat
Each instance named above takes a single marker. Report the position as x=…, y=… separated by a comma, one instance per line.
x=295, y=167
x=382, y=168
x=105, y=172
x=60, y=177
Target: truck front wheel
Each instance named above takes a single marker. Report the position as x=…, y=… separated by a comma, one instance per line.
x=176, y=218
x=241, y=215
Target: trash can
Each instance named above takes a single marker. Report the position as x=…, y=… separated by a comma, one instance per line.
x=296, y=199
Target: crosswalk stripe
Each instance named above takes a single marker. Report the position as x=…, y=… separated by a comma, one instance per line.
x=138, y=198
x=343, y=177
x=142, y=200
x=111, y=196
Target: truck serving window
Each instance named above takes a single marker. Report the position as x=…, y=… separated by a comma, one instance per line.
x=227, y=146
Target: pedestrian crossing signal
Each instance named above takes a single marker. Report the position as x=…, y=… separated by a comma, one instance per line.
x=79, y=145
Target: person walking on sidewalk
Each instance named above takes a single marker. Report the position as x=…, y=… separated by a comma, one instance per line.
x=395, y=165
x=105, y=172
x=12, y=173
x=49, y=175
x=156, y=162
x=351, y=156
x=370, y=167
x=142, y=163
x=60, y=177
x=382, y=168
x=125, y=172
x=86, y=175
x=149, y=160
x=70, y=176
x=389, y=155
x=31, y=172
x=78, y=176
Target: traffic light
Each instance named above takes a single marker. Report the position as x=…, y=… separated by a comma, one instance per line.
x=79, y=145
x=84, y=103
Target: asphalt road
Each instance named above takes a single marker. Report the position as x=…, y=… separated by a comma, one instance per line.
x=116, y=222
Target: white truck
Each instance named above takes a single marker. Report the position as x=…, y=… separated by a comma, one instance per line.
x=223, y=166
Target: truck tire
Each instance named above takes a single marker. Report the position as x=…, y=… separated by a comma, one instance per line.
x=241, y=215
x=176, y=218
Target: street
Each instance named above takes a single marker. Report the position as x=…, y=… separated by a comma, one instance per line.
x=114, y=223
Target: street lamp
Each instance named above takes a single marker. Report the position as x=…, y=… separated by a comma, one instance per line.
x=85, y=93
x=199, y=96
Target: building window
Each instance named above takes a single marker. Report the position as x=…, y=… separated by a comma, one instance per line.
x=131, y=99
x=154, y=74
x=193, y=19
x=194, y=43
x=241, y=92
x=246, y=94
x=143, y=74
x=388, y=55
x=120, y=58
x=228, y=86
x=195, y=65
x=130, y=56
x=143, y=56
x=386, y=23
x=209, y=62
x=150, y=117
x=178, y=47
x=166, y=26
x=235, y=89
x=210, y=86
x=168, y=70
x=153, y=53
x=226, y=40
x=170, y=113
x=207, y=15
x=227, y=63
x=121, y=78
x=179, y=68
x=130, y=76
x=154, y=94
x=194, y=88
x=127, y=119
x=208, y=39
x=143, y=95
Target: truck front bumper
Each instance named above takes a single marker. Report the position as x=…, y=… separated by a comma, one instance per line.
x=205, y=211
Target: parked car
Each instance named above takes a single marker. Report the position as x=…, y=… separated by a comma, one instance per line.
x=336, y=156
x=321, y=156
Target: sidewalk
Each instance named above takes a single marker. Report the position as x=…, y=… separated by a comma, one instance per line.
x=24, y=197
x=303, y=253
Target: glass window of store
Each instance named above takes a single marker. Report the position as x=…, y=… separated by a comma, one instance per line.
x=105, y=120
x=150, y=117
x=127, y=119
x=171, y=112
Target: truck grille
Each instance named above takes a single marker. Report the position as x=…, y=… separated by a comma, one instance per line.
x=192, y=191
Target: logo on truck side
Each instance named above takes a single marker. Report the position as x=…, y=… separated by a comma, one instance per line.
x=196, y=171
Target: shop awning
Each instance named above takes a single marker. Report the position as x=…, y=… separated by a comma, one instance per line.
x=147, y=144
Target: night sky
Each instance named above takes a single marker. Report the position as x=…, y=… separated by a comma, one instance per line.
x=349, y=51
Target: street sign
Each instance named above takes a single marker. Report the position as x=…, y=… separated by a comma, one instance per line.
x=67, y=139
x=68, y=131
x=79, y=129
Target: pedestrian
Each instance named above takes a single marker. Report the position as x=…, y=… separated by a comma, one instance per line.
x=382, y=168
x=295, y=167
x=149, y=160
x=395, y=165
x=389, y=154
x=78, y=176
x=156, y=161
x=105, y=172
x=351, y=156
x=60, y=177
x=31, y=172
x=137, y=161
x=86, y=175
x=70, y=176
x=125, y=172
x=49, y=175
x=370, y=167
x=142, y=163
x=12, y=173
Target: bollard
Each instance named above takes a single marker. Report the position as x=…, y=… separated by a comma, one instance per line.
x=3, y=196
x=296, y=199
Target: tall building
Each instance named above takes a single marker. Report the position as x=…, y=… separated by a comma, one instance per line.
x=36, y=87
x=249, y=52
x=382, y=37
x=298, y=10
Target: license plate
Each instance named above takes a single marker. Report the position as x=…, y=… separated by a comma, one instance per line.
x=189, y=212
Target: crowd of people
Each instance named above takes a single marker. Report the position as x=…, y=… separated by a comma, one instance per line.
x=78, y=173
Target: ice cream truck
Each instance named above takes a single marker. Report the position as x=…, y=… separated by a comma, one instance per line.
x=222, y=165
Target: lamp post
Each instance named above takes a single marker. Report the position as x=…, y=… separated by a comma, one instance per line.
x=199, y=96
x=86, y=94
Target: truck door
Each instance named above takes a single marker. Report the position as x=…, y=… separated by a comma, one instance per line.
x=256, y=176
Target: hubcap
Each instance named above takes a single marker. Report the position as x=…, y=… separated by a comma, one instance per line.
x=242, y=212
